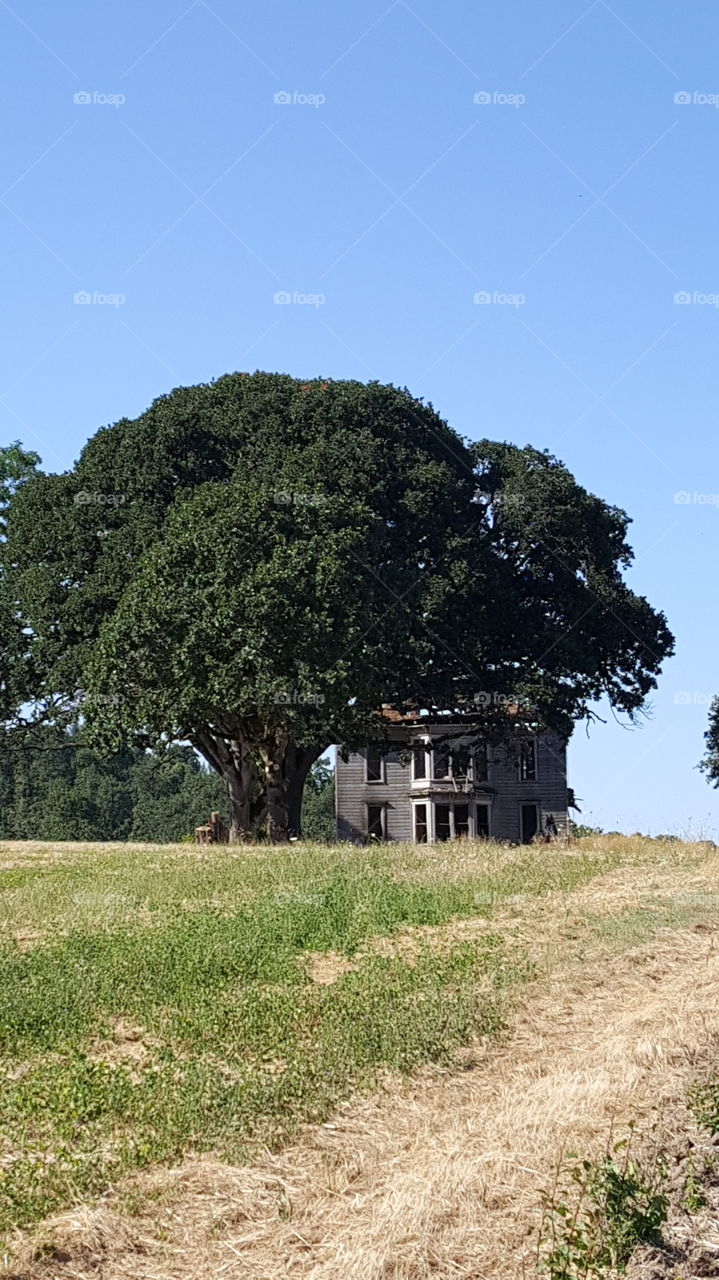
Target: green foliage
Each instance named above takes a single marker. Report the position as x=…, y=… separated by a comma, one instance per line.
x=18, y=676
x=704, y=1102
x=259, y=563
x=56, y=792
x=16, y=466
x=710, y=761
x=617, y=1204
x=693, y=1193
x=318, y=809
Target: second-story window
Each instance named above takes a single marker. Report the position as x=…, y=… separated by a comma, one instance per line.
x=374, y=765
x=461, y=761
x=528, y=761
x=420, y=758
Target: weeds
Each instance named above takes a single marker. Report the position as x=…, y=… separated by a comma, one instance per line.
x=618, y=1203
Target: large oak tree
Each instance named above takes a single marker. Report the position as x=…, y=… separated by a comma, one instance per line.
x=258, y=564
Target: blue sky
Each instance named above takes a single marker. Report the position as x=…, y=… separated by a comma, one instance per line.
x=382, y=198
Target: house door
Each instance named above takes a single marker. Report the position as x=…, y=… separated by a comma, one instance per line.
x=529, y=822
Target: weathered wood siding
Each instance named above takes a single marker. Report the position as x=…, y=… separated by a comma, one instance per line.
x=506, y=793
x=353, y=794
x=549, y=791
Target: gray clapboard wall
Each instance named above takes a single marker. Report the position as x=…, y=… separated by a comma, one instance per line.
x=505, y=791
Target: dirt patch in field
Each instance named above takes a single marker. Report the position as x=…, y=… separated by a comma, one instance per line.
x=130, y=1045
x=26, y=939
x=325, y=967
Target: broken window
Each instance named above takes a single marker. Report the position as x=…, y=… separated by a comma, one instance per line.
x=441, y=762
x=374, y=764
x=529, y=822
x=482, y=821
x=419, y=763
x=461, y=820
x=420, y=823
x=375, y=821
x=442, y=829
x=461, y=757
x=528, y=761
x=481, y=762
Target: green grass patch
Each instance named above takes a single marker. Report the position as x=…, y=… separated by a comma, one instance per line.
x=238, y=1046
x=107, y=887
x=156, y=1000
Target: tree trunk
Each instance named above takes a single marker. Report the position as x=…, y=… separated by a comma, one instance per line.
x=278, y=814
x=238, y=798
x=233, y=762
x=274, y=797
x=298, y=762
x=286, y=767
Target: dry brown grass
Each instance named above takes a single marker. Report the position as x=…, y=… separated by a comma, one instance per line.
x=439, y=1177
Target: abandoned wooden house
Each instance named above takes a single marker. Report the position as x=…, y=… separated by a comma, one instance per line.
x=438, y=782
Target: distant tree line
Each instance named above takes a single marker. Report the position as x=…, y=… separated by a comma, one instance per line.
x=62, y=791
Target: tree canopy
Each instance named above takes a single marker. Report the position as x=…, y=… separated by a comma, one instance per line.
x=257, y=565
x=710, y=762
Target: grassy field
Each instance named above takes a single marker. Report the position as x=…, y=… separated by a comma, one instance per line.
x=157, y=1001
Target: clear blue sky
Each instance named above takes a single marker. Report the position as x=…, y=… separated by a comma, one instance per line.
x=397, y=198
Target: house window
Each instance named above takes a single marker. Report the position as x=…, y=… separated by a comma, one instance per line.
x=419, y=763
x=375, y=821
x=441, y=762
x=529, y=822
x=374, y=765
x=442, y=827
x=420, y=824
x=528, y=761
x=454, y=820
x=460, y=762
x=483, y=821
x=461, y=820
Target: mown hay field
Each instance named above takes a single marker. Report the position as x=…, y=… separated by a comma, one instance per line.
x=160, y=1004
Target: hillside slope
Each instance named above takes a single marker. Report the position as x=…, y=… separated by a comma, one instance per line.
x=434, y=1170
